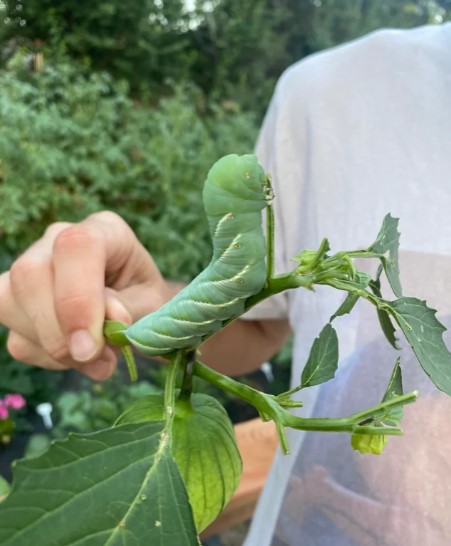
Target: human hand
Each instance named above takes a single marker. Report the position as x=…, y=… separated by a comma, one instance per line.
x=307, y=491
x=58, y=293
x=317, y=482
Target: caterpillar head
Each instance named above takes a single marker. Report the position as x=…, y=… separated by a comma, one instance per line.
x=236, y=183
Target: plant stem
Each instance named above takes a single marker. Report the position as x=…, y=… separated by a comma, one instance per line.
x=269, y=236
x=169, y=388
x=265, y=404
x=268, y=406
x=278, y=284
x=381, y=408
x=187, y=382
x=127, y=351
x=352, y=423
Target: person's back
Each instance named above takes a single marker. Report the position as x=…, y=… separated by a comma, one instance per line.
x=352, y=134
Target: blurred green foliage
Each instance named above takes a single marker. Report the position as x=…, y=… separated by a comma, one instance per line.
x=155, y=43
x=230, y=50
x=35, y=384
x=72, y=142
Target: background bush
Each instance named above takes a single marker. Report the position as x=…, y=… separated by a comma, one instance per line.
x=72, y=142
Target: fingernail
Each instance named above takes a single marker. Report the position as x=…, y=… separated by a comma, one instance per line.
x=82, y=346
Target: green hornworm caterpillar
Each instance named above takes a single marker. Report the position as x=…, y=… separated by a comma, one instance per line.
x=235, y=192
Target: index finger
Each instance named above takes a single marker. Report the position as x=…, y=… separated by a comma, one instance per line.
x=101, y=251
x=79, y=262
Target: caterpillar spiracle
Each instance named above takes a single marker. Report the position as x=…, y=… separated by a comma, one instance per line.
x=235, y=193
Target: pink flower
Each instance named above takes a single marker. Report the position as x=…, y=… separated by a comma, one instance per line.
x=14, y=401
x=3, y=411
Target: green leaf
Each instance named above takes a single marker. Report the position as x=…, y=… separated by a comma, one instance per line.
x=394, y=389
x=204, y=447
x=424, y=334
x=323, y=359
x=118, y=487
x=375, y=443
x=356, y=285
x=360, y=281
x=148, y=408
x=347, y=306
x=384, y=318
x=4, y=488
x=387, y=241
x=387, y=328
x=309, y=259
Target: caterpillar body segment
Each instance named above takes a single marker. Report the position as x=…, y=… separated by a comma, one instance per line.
x=235, y=193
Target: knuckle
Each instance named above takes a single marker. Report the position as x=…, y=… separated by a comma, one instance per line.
x=75, y=308
x=55, y=228
x=26, y=351
x=52, y=342
x=107, y=216
x=112, y=221
x=23, y=270
x=59, y=352
x=19, y=348
x=75, y=236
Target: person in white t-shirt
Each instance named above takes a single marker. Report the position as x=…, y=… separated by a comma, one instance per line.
x=351, y=134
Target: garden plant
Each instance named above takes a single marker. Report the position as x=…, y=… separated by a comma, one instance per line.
x=170, y=463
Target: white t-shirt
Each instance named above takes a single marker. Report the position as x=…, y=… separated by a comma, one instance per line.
x=352, y=134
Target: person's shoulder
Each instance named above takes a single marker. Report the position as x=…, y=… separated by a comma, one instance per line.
x=378, y=52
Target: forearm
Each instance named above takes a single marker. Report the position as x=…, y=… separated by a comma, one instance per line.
x=357, y=515
x=361, y=516
x=244, y=345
